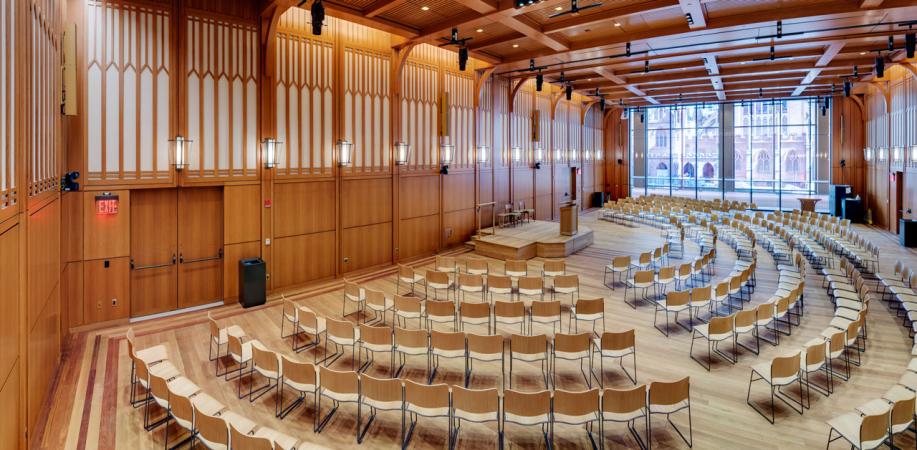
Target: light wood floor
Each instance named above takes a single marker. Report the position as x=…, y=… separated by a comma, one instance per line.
x=90, y=406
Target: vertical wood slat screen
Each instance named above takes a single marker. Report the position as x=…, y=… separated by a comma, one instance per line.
x=459, y=87
x=878, y=135
x=367, y=109
x=899, y=114
x=574, y=127
x=419, y=114
x=45, y=107
x=523, y=105
x=304, y=101
x=485, y=130
x=543, y=104
x=127, y=96
x=560, y=131
x=594, y=132
x=8, y=107
x=222, y=88
x=911, y=111
x=501, y=119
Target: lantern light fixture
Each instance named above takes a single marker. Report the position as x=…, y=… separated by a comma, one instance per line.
x=598, y=155
x=446, y=153
x=402, y=153
x=558, y=154
x=914, y=153
x=270, y=148
x=345, y=152
x=482, y=154
x=571, y=154
x=867, y=154
x=517, y=154
x=180, y=148
x=896, y=153
x=883, y=153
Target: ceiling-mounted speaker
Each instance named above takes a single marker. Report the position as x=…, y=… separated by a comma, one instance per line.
x=880, y=66
x=910, y=42
x=847, y=88
x=539, y=81
x=843, y=163
x=318, y=17
x=463, y=58
x=569, y=92
x=68, y=71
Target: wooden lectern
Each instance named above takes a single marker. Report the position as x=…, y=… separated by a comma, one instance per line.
x=569, y=219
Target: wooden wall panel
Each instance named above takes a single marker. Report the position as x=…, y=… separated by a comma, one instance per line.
x=72, y=233
x=366, y=246
x=301, y=259
x=9, y=301
x=106, y=289
x=458, y=226
x=418, y=236
x=366, y=202
x=9, y=108
x=301, y=208
x=72, y=295
x=44, y=259
x=43, y=356
x=418, y=196
x=458, y=191
x=127, y=110
x=241, y=214
x=11, y=425
x=154, y=251
x=232, y=253
x=106, y=236
x=222, y=97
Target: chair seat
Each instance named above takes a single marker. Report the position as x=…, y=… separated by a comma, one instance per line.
x=233, y=330
x=529, y=357
x=459, y=353
x=207, y=404
x=472, y=289
x=898, y=393
x=575, y=420
x=572, y=355
x=382, y=405
x=764, y=369
x=414, y=279
x=301, y=387
x=427, y=412
x=164, y=369
x=623, y=416
x=279, y=439
x=848, y=425
x=531, y=291
x=152, y=354
x=242, y=424
x=183, y=387
x=485, y=356
x=476, y=417
x=527, y=420
x=667, y=409
x=874, y=407
x=387, y=305
x=704, y=330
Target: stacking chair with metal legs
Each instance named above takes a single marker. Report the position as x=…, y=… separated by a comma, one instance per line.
x=719, y=329
x=780, y=372
x=339, y=387
x=375, y=340
x=616, y=345
x=440, y=312
x=444, y=345
x=813, y=361
x=668, y=398
x=628, y=406
x=509, y=313
x=378, y=395
x=528, y=409
x=241, y=353
x=675, y=302
x=474, y=314
x=266, y=364
x=219, y=339
x=579, y=408
x=515, y=268
x=532, y=288
x=438, y=281
x=477, y=266
x=289, y=314
x=483, y=348
x=141, y=378
x=572, y=347
x=544, y=313
x=478, y=406
x=341, y=334
x=861, y=431
x=301, y=378
x=408, y=276
x=406, y=308
x=587, y=310
x=379, y=304
x=499, y=285
x=619, y=265
x=471, y=284
x=410, y=343
x=353, y=293
x=642, y=280
x=150, y=356
x=530, y=349
x=420, y=400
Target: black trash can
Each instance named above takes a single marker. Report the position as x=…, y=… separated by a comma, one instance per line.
x=252, y=282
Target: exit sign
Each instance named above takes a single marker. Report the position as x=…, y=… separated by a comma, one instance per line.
x=106, y=204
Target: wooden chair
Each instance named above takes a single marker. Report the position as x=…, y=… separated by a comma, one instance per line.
x=339, y=387
x=531, y=287
x=529, y=349
x=289, y=314
x=245, y=441
x=266, y=364
x=438, y=281
x=644, y=261
x=241, y=353
x=508, y=215
x=701, y=297
x=721, y=296
x=218, y=339
x=514, y=268
x=745, y=321
x=379, y=304
x=509, y=313
x=440, y=312
x=545, y=313
x=526, y=214
x=499, y=285
x=160, y=394
x=628, y=406
x=309, y=325
x=342, y=334
x=780, y=372
x=375, y=340
x=616, y=345
x=719, y=329
x=410, y=343
x=353, y=293
x=444, y=345
x=578, y=408
x=572, y=347
x=674, y=302
x=420, y=400
x=471, y=284
x=378, y=395
x=477, y=266
x=643, y=280
x=299, y=376
x=662, y=280
x=141, y=377
x=528, y=409
x=566, y=285
x=902, y=404
x=764, y=321
x=837, y=350
x=587, y=310
x=408, y=276
x=181, y=409
x=446, y=264
x=213, y=431
x=668, y=398
x=474, y=314
x=478, y=406
x=619, y=265
x=280, y=440
x=149, y=356
x=553, y=267
x=484, y=348
x=407, y=308
x=862, y=432
x=813, y=360
x=683, y=275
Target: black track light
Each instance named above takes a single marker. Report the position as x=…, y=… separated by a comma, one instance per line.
x=318, y=17
x=880, y=66
x=602, y=104
x=627, y=49
x=891, y=43
x=827, y=102
x=773, y=52
x=833, y=88
x=856, y=71
x=597, y=93
x=779, y=29
x=847, y=87
x=761, y=92
x=569, y=91
x=824, y=111
x=539, y=81
x=561, y=77
x=646, y=66
x=463, y=58
x=910, y=42
x=532, y=65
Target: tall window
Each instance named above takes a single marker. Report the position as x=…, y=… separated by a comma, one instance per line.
x=771, y=155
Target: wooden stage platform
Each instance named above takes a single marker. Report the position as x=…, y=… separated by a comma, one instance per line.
x=526, y=241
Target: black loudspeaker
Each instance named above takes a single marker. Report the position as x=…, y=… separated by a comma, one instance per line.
x=252, y=282
x=907, y=232
x=843, y=163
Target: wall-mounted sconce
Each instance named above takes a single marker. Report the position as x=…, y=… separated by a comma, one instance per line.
x=914, y=154
x=867, y=154
x=598, y=155
x=345, y=152
x=883, y=153
x=896, y=154
x=446, y=153
x=571, y=155
x=538, y=157
x=558, y=154
x=482, y=154
x=402, y=153
x=270, y=148
x=517, y=154
x=180, y=148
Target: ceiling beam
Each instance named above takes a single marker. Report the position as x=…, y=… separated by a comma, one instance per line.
x=481, y=6
x=694, y=14
x=381, y=6
x=823, y=61
x=714, y=69
x=584, y=20
x=531, y=29
x=609, y=75
x=870, y=4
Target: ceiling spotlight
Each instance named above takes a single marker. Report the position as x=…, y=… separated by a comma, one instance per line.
x=910, y=42
x=463, y=58
x=558, y=8
x=862, y=53
x=856, y=71
x=880, y=66
x=760, y=92
x=779, y=29
x=532, y=64
x=833, y=88
x=617, y=24
x=627, y=49
x=318, y=16
x=891, y=43
x=689, y=18
x=515, y=45
x=539, y=81
x=480, y=30
x=773, y=52
x=828, y=101
x=646, y=66
x=569, y=91
x=424, y=8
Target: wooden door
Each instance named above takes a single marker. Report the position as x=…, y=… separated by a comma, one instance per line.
x=200, y=246
x=899, y=199
x=154, y=251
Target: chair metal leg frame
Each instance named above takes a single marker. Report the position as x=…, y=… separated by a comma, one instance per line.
x=469, y=367
x=458, y=425
x=190, y=439
x=668, y=417
x=261, y=390
x=632, y=428
x=433, y=364
x=712, y=348
x=823, y=390
x=785, y=321
x=666, y=330
x=135, y=402
x=282, y=411
x=406, y=435
x=361, y=431
x=545, y=371
x=857, y=361
x=311, y=343
x=775, y=341
x=371, y=358
x=146, y=416
x=402, y=361
x=590, y=431
x=321, y=422
x=775, y=393
x=553, y=366
x=600, y=377
x=845, y=376
x=757, y=349
x=283, y=321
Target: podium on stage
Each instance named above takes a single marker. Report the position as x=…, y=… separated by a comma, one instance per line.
x=569, y=219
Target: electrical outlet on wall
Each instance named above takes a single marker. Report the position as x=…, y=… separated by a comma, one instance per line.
x=346, y=259
x=114, y=302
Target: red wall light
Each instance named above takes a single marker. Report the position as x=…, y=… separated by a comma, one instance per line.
x=107, y=204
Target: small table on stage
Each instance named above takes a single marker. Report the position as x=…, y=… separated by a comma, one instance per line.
x=808, y=204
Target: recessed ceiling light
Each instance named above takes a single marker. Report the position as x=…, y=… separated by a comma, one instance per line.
x=743, y=62
x=588, y=79
x=558, y=8
x=480, y=30
x=617, y=24
x=862, y=53
x=515, y=45
x=425, y=8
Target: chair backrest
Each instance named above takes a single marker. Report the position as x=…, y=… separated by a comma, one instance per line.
x=234, y=345
x=516, y=267
x=666, y=273
x=181, y=407
x=874, y=428
x=374, y=297
x=700, y=294
x=211, y=428
x=476, y=401
x=382, y=389
x=475, y=265
x=244, y=441
x=376, y=335
x=566, y=281
x=576, y=404
x=485, y=344
x=528, y=345
x=722, y=289
x=159, y=388
x=902, y=411
x=130, y=340
x=411, y=338
x=644, y=276
x=499, y=282
x=721, y=325
x=618, y=340
x=746, y=318
x=546, y=309
x=339, y=382
x=531, y=283
x=554, y=266
x=837, y=342
x=470, y=280
x=764, y=311
x=474, y=310
x=509, y=309
x=353, y=291
x=646, y=258
x=433, y=396
x=214, y=327
x=339, y=328
x=572, y=343
x=526, y=404
x=265, y=359
x=785, y=366
x=299, y=372
x=405, y=272
x=437, y=277
x=407, y=304
x=665, y=393
x=289, y=308
x=677, y=298
x=440, y=308
x=624, y=401
x=445, y=264
x=815, y=353
x=441, y=340
x=588, y=306
x=735, y=283
x=621, y=262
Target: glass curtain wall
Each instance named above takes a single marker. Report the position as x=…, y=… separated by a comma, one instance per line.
x=764, y=152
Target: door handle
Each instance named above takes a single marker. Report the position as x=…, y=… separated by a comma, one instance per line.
x=153, y=266
x=181, y=258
